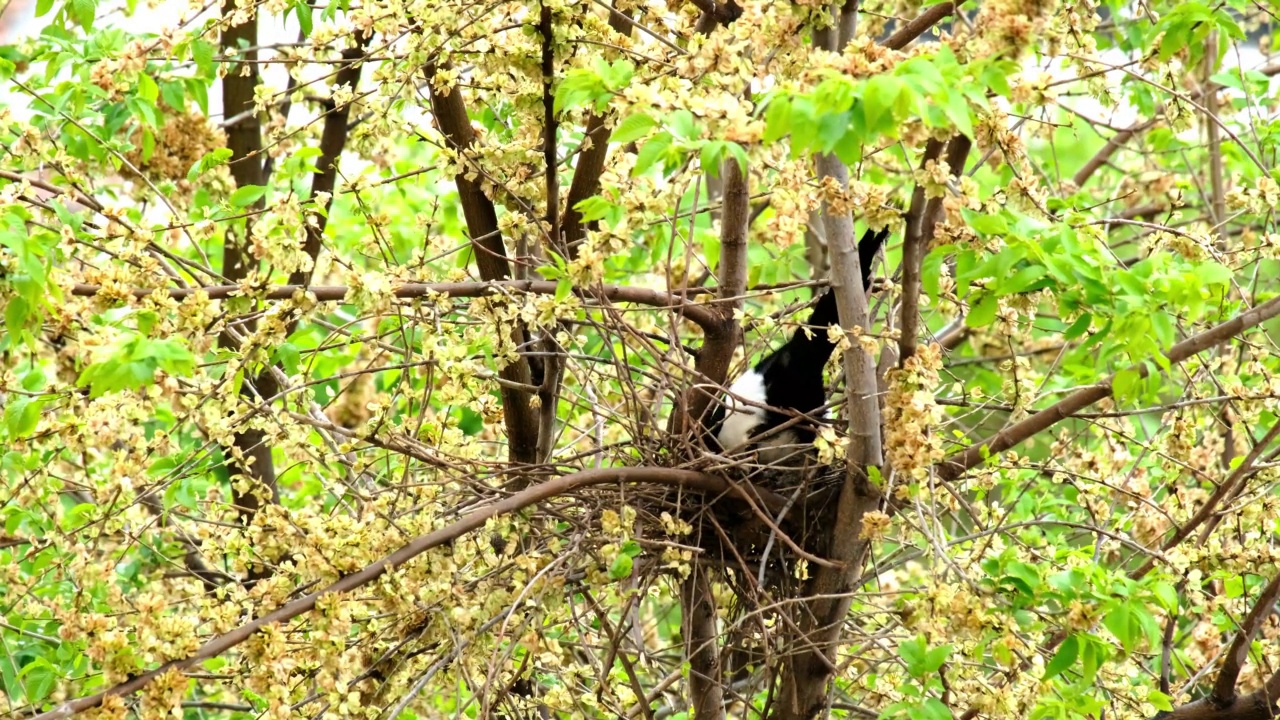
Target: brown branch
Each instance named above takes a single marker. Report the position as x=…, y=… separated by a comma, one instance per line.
x=1257, y=705
x=1101, y=157
x=703, y=315
x=952, y=467
x=1224, y=688
x=591, y=157
x=917, y=27
x=913, y=251
x=706, y=671
x=491, y=258
x=805, y=675
x=250, y=455
x=333, y=140
x=687, y=479
x=1222, y=491
x=722, y=335
x=550, y=125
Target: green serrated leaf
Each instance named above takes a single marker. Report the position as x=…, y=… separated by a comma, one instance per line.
x=633, y=127
x=651, y=152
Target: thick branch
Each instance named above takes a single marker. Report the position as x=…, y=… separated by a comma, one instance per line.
x=586, y=174
x=917, y=27
x=957, y=464
x=250, y=454
x=333, y=140
x=688, y=479
x=491, y=258
x=701, y=638
x=804, y=684
x=722, y=335
x=701, y=314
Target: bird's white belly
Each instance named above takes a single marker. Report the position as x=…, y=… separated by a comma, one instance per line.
x=741, y=419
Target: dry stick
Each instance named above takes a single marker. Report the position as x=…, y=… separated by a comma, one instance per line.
x=687, y=479
x=1224, y=688
x=700, y=314
x=952, y=467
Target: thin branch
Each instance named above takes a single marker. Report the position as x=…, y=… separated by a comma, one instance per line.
x=703, y=315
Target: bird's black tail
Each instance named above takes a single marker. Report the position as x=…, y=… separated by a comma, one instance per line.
x=825, y=313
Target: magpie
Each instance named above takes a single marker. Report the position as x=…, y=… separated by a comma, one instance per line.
x=787, y=381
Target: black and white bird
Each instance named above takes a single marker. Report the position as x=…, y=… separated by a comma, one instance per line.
x=786, y=382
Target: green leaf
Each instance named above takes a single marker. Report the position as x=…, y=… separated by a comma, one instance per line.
x=633, y=127
x=16, y=314
x=957, y=111
x=83, y=12
x=247, y=195
x=21, y=416
x=878, y=98
x=43, y=7
x=621, y=567
x=564, y=288
x=202, y=54
x=739, y=153
x=1120, y=622
x=1233, y=586
x=682, y=125
x=652, y=151
x=209, y=162
x=1062, y=660
x=303, y=10
x=38, y=678
x=147, y=88
x=777, y=118
x=1079, y=327
x=1021, y=280
x=288, y=357
x=983, y=313
x=1166, y=594
x=1125, y=384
